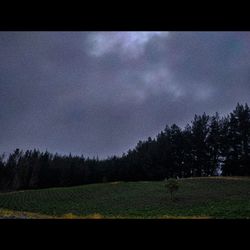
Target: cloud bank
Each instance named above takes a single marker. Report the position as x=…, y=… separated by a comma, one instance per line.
x=98, y=93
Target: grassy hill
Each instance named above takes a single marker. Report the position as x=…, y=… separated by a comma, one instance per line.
x=213, y=197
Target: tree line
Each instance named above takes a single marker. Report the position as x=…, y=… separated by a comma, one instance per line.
x=210, y=145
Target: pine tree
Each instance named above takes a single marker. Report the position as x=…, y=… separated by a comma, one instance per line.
x=200, y=131
x=213, y=141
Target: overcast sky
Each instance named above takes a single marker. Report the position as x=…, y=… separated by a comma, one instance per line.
x=99, y=93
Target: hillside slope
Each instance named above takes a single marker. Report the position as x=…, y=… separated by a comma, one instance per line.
x=212, y=197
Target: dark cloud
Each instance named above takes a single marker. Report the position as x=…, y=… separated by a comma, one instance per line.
x=98, y=93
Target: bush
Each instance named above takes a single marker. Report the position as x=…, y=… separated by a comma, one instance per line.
x=172, y=186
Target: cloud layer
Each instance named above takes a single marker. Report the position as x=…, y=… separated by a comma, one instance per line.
x=98, y=93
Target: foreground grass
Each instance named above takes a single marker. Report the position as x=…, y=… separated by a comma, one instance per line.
x=213, y=197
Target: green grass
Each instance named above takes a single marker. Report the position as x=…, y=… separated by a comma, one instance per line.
x=213, y=197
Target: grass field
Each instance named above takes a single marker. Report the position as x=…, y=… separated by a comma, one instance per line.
x=213, y=197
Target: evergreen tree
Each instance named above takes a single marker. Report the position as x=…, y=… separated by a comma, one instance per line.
x=200, y=132
x=214, y=144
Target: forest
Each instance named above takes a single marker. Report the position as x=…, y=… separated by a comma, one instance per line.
x=208, y=146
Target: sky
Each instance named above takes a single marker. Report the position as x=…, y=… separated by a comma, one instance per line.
x=99, y=93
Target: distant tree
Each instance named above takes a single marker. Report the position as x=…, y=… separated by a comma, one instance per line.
x=172, y=186
x=214, y=144
x=188, y=159
x=237, y=155
x=35, y=172
x=2, y=171
x=200, y=148
x=177, y=151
